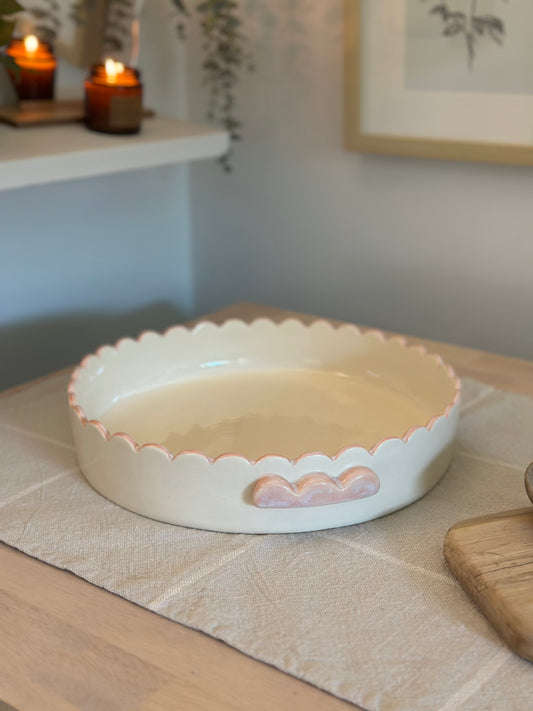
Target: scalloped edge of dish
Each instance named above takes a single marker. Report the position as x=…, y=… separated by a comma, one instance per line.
x=376, y=333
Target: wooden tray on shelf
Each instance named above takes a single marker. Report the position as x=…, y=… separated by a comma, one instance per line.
x=43, y=112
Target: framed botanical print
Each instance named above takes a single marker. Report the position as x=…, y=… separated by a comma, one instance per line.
x=450, y=80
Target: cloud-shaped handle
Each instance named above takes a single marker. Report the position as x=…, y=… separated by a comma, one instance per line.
x=316, y=489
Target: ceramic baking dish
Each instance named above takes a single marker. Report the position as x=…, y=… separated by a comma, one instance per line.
x=263, y=427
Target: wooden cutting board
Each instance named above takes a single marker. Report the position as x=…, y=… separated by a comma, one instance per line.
x=492, y=557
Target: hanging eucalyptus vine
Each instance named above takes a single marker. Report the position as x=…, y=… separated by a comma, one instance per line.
x=225, y=50
x=225, y=54
x=7, y=25
x=48, y=19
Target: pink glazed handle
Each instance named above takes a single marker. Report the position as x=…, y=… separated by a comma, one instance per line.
x=315, y=489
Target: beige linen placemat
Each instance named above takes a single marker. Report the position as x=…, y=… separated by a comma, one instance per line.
x=368, y=612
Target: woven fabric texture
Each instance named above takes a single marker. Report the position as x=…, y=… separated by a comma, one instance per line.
x=368, y=612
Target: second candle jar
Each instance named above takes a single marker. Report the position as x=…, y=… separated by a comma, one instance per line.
x=36, y=65
x=113, y=98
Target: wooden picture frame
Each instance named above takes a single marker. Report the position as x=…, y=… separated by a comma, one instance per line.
x=369, y=46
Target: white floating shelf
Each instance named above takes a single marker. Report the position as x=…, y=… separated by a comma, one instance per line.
x=47, y=154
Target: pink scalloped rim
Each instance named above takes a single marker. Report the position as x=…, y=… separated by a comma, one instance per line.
x=102, y=429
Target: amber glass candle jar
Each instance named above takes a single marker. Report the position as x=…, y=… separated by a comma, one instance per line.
x=113, y=98
x=37, y=68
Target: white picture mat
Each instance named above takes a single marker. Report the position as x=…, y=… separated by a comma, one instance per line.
x=388, y=108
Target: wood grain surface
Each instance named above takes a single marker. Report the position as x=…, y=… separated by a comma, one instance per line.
x=66, y=645
x=38, y=113
x=492, y=557
x=46, y=112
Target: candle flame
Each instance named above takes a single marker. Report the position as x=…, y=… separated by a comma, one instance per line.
x=112, y=69
x=31, y=44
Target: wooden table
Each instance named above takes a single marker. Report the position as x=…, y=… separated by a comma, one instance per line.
x=61, y=637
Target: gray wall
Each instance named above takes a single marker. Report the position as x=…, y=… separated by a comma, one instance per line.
x=436, y=249
x=431, y=248
x=86, y=262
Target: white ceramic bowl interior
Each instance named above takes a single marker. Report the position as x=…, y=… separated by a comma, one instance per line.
x=263, y=427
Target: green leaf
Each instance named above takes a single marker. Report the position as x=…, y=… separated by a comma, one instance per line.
x=8, y=7
x=180, y=6
x=10, y=64
x=6, y=30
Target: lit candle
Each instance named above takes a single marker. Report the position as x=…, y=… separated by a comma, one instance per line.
x=113, y=98
x=37, y=68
